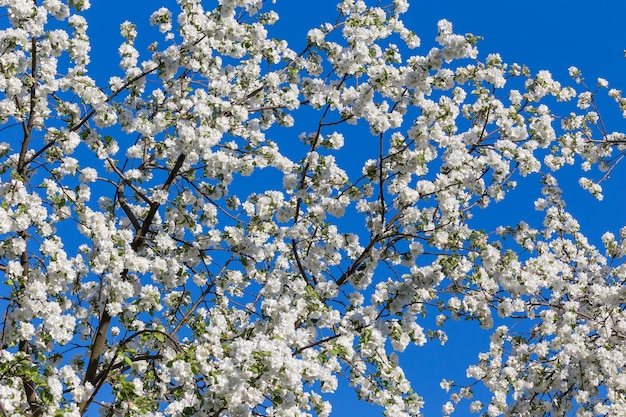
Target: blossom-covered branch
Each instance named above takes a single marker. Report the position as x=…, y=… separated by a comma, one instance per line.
x=170, y=247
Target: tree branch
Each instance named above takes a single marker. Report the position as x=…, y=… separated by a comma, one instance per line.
x=105, y=321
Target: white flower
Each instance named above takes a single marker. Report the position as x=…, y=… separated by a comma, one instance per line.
x=315, y=37
x=88, y=175
x=80, y=5
x=162, y=18
x=27, y=331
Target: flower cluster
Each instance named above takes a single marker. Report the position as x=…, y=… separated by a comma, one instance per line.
x=167, y=228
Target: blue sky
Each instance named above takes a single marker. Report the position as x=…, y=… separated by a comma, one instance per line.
x=543, y=34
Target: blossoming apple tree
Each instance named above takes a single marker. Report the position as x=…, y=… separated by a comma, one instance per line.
x=228, y=227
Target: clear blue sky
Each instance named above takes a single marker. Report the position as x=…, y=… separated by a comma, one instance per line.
x=543, y=34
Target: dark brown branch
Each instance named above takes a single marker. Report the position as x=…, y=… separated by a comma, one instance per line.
x=29, y=389
x=105, y=321
x=358, y=261
x=147, y=223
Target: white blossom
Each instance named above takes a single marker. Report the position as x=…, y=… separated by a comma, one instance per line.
x=164, y=223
